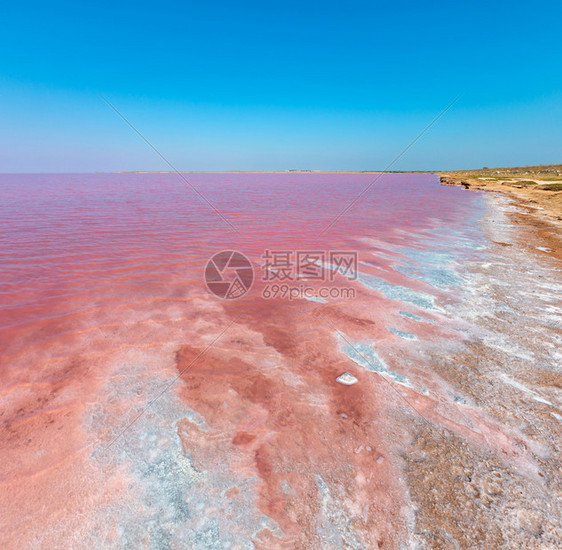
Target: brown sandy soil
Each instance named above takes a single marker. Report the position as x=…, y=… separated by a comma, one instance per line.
x=529, y=184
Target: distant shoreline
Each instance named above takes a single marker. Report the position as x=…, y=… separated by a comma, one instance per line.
x=262, y=172
x=520, y=171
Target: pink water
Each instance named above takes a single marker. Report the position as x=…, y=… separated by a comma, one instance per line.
x=67, y=238
x=138, y=409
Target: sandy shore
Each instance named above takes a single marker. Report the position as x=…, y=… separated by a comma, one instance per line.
x=537, y=202
x=535, y=188
x=507, y=369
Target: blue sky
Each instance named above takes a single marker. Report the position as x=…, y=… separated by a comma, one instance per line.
x=279, y=85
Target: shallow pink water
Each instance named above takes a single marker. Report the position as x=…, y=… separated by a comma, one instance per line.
x=103, y=304
x=112, y=236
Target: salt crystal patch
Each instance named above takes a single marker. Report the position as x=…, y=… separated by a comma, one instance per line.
x=347, y=379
